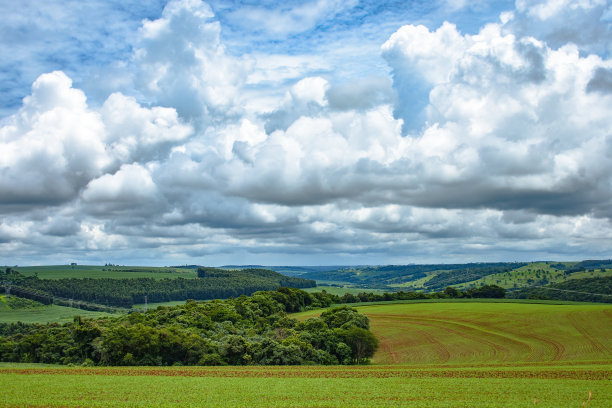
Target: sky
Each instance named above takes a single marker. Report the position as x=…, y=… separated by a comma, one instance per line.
x=316, y=132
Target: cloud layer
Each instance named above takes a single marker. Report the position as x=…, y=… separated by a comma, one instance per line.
x=490, y=145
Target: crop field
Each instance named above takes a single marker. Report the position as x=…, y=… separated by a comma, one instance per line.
x=307, y=386
x=475, y=333
x=461, y=354
x=96, y=271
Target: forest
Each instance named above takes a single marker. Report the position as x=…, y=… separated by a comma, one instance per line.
x=580, y=290
x=386, y=276
x=211, y=284
x=247, y=330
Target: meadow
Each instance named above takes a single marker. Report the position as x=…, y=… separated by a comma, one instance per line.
x=46, y=314
x=99, y=271
x=433, y=354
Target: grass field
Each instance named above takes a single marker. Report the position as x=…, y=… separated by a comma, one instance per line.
x=365, y=386
x=95, y=271
x=45, y=314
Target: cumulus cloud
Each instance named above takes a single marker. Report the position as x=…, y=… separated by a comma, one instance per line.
x=182, y=63
x=52, y=147
x=489, y=144
x=131, y=183
x=515, y=120
x=585, y=23
x=135, y=133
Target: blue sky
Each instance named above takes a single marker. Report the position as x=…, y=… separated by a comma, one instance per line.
x=314, y=132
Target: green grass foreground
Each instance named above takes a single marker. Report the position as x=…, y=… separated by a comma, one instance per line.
x=307, y=386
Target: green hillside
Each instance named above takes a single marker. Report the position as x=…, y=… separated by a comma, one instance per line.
x=436, y=277
x=104, y=291
x=581, y=290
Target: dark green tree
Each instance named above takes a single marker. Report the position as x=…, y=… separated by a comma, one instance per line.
x=362, y=342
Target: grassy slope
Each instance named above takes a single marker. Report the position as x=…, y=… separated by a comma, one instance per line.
x=95, y=271
x=532, y=275
x=485, y=333
x=45, y=314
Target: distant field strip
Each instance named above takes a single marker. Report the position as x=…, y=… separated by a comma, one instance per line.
x=593, y=371
x=95, y=271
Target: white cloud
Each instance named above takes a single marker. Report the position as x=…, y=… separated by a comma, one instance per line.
x=132, y=183
x=182, y=63
x=52, y=146
x=585, y=23
x=135, y=133
x=498, y=142
x=284, y=20
x=311, y=89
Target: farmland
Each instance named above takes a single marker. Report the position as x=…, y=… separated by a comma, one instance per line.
x=477, y=333
x=364, y=386
x=442, y=354
x=98, y=271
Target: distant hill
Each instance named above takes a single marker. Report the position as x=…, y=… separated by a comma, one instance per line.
x=436, y=277
x=582, y=290
x=290, y=270
x=127, y=291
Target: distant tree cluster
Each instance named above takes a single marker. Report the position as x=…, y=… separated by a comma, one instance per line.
x=591, y=264
x=240, y=331
x=462, y=275
x=486, y=291
x=579, y=290
x=384, y=277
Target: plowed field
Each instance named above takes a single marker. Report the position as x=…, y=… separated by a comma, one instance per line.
x=485, y=333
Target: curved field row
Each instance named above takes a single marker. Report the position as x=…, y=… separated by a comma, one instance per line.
x=490, y=333
x=581, y=372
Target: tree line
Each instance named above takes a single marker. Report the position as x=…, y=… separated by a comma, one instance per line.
x=384, y=276
x=211, y=284
x=239, y=331
x=579, y=290
x=486, y=291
